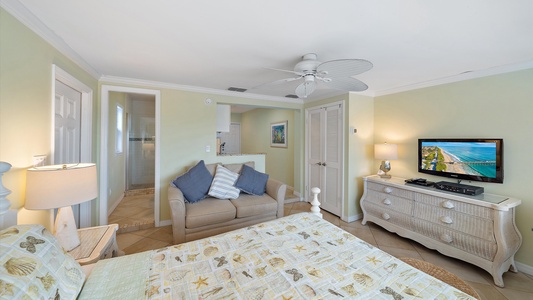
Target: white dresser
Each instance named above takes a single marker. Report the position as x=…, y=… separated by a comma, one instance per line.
x=477, y=229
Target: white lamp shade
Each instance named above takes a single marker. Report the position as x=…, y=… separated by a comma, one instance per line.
x=60, y=185
x=386, y=151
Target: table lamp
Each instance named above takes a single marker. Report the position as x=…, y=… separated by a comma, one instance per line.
x=385, y=152
x=60, y=186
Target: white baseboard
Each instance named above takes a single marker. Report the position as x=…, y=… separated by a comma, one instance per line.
x=524, y=268
x=353, y=218
x=165, y=223
x=110, y=210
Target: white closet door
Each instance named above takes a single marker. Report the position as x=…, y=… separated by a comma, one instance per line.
x=324, y=155
x=67, y=124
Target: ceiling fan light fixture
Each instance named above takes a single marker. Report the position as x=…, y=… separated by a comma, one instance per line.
x=339, y=74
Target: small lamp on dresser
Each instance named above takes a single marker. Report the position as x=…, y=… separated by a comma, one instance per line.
x=385, y=152
x=60, y=186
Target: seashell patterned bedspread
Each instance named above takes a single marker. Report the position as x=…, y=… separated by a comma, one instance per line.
x=296, y=257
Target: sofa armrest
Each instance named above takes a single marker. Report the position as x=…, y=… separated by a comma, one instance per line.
x=177, y=209
x=276, y=189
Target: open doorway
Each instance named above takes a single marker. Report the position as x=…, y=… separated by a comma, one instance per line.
x=131, y=200
x=129, y=154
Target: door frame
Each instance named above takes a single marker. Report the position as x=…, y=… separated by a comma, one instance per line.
x=86, y=127
x=104, y=129
x=343, y=155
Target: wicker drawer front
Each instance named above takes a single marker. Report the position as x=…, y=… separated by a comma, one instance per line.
x=471, y=244
x=388, y=215
x=390, y=202
x=389, y=190
x=466, y=208
x=451, y=219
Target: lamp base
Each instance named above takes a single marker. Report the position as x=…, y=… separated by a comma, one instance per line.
x=383, y=169
x=65, y=229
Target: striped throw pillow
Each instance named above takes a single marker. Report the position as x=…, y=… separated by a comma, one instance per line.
x=222, y=185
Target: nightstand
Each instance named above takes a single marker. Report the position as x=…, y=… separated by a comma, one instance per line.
x=96, y=243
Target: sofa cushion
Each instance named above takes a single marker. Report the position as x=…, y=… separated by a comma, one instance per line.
x=208, y=211
x=195, y=183
x=238, y=166
x=251, y=181
x=253, y=205
x=222, y=185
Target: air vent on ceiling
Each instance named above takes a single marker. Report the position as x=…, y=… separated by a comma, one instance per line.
x=291, y=96
x=236, y=89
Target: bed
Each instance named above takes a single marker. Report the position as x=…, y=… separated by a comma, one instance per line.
x=296, y=257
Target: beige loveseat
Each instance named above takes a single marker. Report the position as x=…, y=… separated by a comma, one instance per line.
x=211, y=216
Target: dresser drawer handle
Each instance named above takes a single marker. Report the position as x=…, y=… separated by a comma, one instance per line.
x=385, y=216
x=448, y=204
x=387, y=202
x=446, y=220
x=446, y=238
x=387, y=190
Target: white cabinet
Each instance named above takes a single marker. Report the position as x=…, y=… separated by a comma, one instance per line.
x=223, y=117
x=477, y=229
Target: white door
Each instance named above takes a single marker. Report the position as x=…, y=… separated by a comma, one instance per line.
x=67, y=129
x=67, y=124
x=324, y=155
x=231, y=140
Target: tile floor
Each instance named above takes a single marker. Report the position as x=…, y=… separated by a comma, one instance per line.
x=135, y=212
x=518, y=286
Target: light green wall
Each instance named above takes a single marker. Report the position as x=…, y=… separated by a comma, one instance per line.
x=25, y=105
x=236, y=118
x=359, y=149
x=255, y=138
x=491, y=107
x=116, y=161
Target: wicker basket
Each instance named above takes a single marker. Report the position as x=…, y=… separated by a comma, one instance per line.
x=442, y=275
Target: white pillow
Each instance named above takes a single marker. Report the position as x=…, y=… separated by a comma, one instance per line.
x=222, y=185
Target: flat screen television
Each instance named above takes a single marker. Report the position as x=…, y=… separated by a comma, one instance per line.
x=468, y=159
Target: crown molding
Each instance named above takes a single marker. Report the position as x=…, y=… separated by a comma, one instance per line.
x=458, y=77
x=26, y=17
x=156, y=84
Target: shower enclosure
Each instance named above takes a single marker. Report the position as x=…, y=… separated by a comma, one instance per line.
x=140, y=166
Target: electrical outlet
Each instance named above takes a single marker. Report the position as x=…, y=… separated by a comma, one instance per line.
x=207, y=148
x=39, y=160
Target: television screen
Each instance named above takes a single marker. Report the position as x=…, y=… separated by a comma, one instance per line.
x=470, y=159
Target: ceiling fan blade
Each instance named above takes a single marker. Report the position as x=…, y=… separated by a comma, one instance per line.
x=280, y=81
x=305, y=89
x=344, y=67
x=286, y=71
x=347, y=84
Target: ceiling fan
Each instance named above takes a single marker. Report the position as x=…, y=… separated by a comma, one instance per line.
x=336, y=74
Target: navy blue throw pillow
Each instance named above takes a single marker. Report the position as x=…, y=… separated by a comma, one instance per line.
x=195, y=183
x=251, y=181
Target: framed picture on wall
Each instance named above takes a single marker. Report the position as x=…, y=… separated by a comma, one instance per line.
x=278, y=134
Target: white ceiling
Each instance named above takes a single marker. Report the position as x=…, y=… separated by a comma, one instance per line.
x=218, y=44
